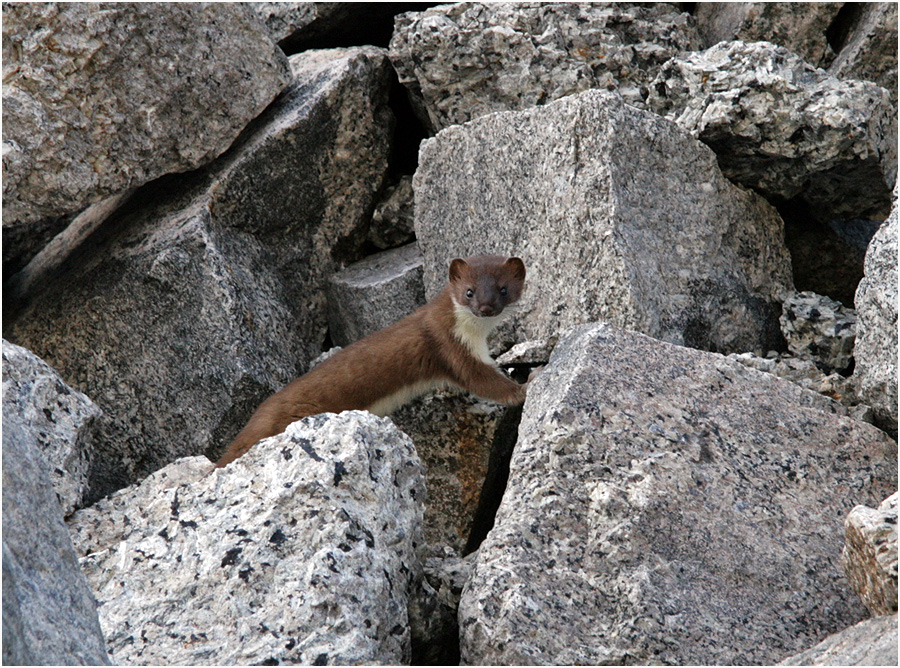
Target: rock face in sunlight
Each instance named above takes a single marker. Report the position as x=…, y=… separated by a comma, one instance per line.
x=201, y=202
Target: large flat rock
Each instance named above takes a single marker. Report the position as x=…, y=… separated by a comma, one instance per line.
x=670, y=506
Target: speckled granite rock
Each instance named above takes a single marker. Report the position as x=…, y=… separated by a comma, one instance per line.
x=819, y=329
x=466, y=60
x=374, y=293
x=870, y=52
x=49, y=614
x=875, y=373
x=784, y=128
x=301, y=551
x=618, y=214
x=58, y=419
x=669, y=506
x=872, y=642
x=392, y=221
x=174, y=318
x=804, y=373
x=98, y=99
x=783, y=23
x=869, y=557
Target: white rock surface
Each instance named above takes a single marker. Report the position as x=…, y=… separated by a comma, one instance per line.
x=869, y=557
x=301, y=551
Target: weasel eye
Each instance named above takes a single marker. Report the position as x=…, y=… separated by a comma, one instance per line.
x=470, y=293
x=504, y=291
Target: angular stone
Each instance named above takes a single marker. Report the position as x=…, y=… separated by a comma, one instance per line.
x=782, y=127
x=872, y=642
x=205, y=293
x=58, y=420
x=466, y=60
x=301, y=551
x=801, y=29
x=869, y=557
x=819, y=329
x=374, y=293
x=283, y=19
x=870, y=50
x=631, y=528
x=453, y=434
x=618, y=215
x=875, y=373
x=392, y=222
x=99, y=99
x=49, y=614
x=804, y=373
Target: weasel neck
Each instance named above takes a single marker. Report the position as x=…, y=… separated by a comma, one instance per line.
x=472, y=331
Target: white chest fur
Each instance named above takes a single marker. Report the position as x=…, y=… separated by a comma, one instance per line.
x=472, y=332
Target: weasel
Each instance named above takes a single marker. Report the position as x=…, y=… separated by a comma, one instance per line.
x=444, y=341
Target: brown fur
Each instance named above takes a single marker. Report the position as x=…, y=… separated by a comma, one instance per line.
x=425, y=347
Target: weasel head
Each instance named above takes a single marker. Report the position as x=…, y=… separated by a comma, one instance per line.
x=485, y=285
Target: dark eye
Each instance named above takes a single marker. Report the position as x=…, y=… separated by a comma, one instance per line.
x=470, y=293
x=504, y=291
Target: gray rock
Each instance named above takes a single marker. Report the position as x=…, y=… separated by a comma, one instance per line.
x=97, y=100
x=205, y=294
x=49, y=614
x=784, y=128
x=528, y=352
x=875, y=373
x=872, y=642
x=869, y=557
x=393, y=220
x=57, y=419
x=819, y=329
x=669, y=506
x=374, y=293
x=453, y=434
x=283, y=19
x=804, y=373
x=462, y=61
x=302, y=551
x=870, y=50
x=802, y=31
x=618, y=215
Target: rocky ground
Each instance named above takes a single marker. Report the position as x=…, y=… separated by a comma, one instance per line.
x=199, y=200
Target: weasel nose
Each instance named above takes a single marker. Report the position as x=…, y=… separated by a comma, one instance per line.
x=486, y=309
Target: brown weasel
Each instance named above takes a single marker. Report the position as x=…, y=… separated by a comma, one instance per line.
x=443, y=342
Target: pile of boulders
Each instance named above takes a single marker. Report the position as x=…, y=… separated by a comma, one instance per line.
x=201, y=200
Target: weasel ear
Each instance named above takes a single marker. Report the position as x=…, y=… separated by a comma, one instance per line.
x=517, y=267
x=457, y=267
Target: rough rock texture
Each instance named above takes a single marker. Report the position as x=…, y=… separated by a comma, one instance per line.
x=784, y=128
x=804, y=373
x=875, y=373
x=49, y=614
x=819, y=329
x=669, y=506
x=98, y=99
x=827, y=257
x=872, y=642
x=869, y=557
x=466, y=60
x=870, y=50
x=801, y=31
x=376, y=292
x=392, y=222
x=301, y=551
x=618, y=215
x=57, y=419
x=176, y=317
x=453, y=434
x=283, y=19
